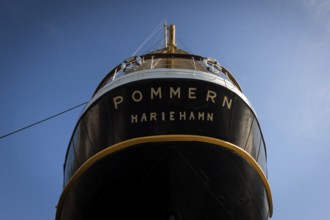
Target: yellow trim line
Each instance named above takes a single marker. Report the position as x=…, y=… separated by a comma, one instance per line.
x=165, y=138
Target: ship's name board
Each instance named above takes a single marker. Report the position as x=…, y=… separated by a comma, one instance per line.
x=172, y=94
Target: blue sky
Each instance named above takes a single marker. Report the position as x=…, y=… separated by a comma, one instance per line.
x=54, y=53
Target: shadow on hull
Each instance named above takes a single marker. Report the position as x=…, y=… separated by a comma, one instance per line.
x=185, y=180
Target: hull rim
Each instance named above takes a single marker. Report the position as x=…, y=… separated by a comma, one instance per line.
x=165, y=138
x=168, y=74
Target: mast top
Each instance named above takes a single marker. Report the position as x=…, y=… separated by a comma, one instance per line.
x=169, y=32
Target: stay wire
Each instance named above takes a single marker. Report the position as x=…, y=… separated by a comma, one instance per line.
x=157, y=29
x=154, y=47
x=186, y=48
x=43, y=120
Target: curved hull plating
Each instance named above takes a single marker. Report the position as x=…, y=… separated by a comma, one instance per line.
x=157, y=148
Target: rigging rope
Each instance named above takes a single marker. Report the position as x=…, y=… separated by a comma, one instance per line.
x=151, y=35
x=43, y=120
x=158, y=27
x=185, y=47
x=154, y=47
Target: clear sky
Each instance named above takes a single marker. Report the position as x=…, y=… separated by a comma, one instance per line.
x=54, y=53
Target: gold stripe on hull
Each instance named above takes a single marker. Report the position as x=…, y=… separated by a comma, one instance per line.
x=165, y=138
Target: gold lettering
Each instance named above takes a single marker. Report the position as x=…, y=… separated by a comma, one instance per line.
x=172, y=116
x=137, y=96
x=143, y=117
x=153, y=116
x=182, y=116
x=157, y=92
x=134, y=119
x=192, y=93
x=117, y=100
x=176, y=92
x=211, y=95
x=209, y=116
x=201, y=116
x=227, y=102
x=191, y=116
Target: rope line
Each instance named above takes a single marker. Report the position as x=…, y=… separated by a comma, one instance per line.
x=43, y=120
x=157, y=29
x=185, y=46
x=156, y=46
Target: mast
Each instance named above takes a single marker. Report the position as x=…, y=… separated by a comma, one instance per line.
x=169, y=38
x=165, y=34
x=172, y=45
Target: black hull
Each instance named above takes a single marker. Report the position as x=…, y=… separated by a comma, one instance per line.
x=158, y=147
x=188, y=179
